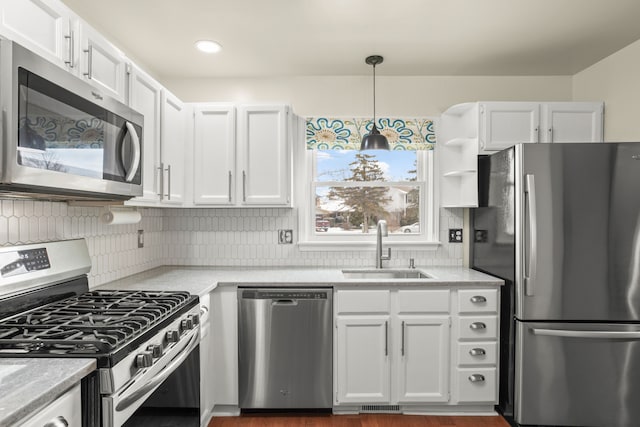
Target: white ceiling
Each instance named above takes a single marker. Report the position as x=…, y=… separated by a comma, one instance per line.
x=333, y=37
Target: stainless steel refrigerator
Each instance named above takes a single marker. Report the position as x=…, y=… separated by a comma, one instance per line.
x=561, y=224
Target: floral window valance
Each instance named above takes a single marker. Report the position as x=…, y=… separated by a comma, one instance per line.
x=325, y=133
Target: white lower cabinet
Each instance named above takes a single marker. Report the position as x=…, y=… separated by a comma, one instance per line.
x=363, y=363
x=415, y=349
x=390, y=348
x=423, y=366
x=476, y=373
x=64, y=411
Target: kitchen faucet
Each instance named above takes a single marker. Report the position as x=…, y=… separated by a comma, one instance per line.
x=381, y=231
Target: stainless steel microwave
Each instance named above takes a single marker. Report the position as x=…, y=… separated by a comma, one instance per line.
x=61, y=138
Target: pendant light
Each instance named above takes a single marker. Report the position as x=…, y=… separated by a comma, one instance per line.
x=374, y=140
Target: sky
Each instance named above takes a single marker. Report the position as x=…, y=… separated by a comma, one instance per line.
x=394, y=164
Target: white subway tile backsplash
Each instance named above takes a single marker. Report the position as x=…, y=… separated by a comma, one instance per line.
x=216, y=237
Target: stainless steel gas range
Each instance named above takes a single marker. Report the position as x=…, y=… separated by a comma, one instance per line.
x=145, y=342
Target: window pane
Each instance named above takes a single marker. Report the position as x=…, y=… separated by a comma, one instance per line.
x=371, y=165
x=344, y=209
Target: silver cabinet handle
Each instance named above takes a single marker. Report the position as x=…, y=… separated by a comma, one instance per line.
x=530, y=273
x=477, y=352
x=550, y=134
x=135, y=162
x=161, y=183
x=57, y=422
x=168, y=169
x=402, y=344
x=476, y=378
x=244, y=186
x=537, y=131
x=71, y=57
x=229, y=186
x=89, y=52
x=386, y=338
x=478, y=325
x=477, y=299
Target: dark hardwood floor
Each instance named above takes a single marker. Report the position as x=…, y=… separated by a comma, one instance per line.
x=366, y=420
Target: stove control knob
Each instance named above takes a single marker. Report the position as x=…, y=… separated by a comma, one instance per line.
x=155, y=350
x=195, y=318
x=186, y=324
x=144, y=360
x=173, y=336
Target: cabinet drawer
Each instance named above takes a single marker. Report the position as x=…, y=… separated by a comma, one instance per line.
x=477, y=385
x=65, y=409
x=478, y=301
x=478, y=327
x=420, y=301
x=362, y=301
x=477, y=353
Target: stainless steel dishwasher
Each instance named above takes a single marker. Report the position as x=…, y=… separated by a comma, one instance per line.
x=285, y=348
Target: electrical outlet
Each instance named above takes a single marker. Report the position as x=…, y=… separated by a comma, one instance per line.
x=481, y=236
x=140, y=239
x=455, y=235
x=285, y=237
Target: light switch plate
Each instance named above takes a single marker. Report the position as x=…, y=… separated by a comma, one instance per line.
x=140, y=239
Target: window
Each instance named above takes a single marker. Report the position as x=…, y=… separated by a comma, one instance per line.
x=348, y=191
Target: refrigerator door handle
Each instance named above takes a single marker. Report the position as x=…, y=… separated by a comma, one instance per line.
x=532, y=265
x=567, y=333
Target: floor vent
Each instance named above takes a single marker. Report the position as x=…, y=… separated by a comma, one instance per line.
x=380, y=409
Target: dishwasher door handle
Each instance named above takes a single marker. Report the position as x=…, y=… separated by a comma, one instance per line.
x=284, y=302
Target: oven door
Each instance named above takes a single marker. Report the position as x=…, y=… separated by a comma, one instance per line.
x=122, y=405
x=63, y=136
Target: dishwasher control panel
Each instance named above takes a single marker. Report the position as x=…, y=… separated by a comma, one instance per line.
x=279, y=294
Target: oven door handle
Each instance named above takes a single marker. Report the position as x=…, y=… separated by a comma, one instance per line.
x=162, y=375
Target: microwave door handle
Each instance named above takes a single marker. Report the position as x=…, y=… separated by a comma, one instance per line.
x=136, y=152
x=530, y=275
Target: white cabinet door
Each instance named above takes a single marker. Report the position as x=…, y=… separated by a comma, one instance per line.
x=43, y=26
x=102, y=64
x=423, y=359
x=66, y=410
x=173, y=146
x=263, y=166
x=572, y=122
x=363, y=366
x=214, y=155
x=145, y=97
x=503, y=124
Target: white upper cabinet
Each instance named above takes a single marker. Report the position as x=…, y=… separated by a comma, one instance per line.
x=572, y=122
x=503, y=124
x=242, y=156
x=466, y=130
x=145, y=97
x=53, y=31
x=103, y=65
x=214, y=155
x=172, y=149
x=263, y=154
x=44, y=26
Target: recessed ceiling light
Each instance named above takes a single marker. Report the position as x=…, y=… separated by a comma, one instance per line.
x=208, y=46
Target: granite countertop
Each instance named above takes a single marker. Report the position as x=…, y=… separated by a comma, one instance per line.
x=202, y=280
x=29, y=385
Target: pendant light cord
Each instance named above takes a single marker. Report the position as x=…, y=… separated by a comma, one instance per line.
x=374, y=95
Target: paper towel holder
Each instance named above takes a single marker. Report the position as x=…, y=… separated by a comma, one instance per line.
x=120, y=215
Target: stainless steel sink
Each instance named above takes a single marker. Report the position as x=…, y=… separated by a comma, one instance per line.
x=384, y=274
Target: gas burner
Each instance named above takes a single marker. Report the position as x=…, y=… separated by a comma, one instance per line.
x=91, y=323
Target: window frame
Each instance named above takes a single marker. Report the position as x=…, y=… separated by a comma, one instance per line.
x=305, y=191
